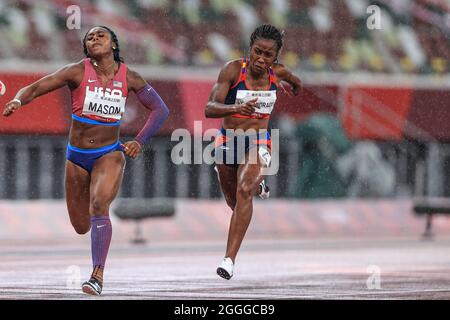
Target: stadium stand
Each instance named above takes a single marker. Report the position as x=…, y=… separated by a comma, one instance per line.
x=322, y=35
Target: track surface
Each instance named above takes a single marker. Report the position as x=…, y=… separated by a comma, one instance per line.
x=408, y=268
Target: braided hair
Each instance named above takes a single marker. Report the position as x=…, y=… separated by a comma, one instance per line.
x=116, y=50
x=268, y=31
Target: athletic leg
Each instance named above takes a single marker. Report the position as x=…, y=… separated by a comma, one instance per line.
x=249, y=176
x=77, y=181
x=228, y=183
x=106, y=177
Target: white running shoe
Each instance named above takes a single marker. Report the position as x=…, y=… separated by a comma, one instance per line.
x=92, y=287
x=225, y=269
x=264, y=191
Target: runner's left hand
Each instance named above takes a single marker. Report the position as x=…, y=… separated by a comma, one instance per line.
x=132, y=148
x=288, y=88
x=285, y=87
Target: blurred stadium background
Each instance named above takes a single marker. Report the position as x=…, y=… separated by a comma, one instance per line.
x=367, y=136
x=378, y=94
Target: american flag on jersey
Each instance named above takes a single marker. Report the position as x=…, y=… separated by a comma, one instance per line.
x=117, y=84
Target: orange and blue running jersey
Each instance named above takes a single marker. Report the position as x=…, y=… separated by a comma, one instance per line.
x=230, y=146
x=239, y=93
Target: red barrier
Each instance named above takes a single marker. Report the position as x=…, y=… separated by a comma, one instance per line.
x=376, y=113
x=45, y=115
x=195, y=96
x=381, y=113
x=430, y=112
x=311, y=99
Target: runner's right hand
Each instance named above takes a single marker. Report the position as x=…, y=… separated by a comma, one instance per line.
x=10, y=107
x=248, y=108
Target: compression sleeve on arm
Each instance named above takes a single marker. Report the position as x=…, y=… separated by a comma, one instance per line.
x=158, y=113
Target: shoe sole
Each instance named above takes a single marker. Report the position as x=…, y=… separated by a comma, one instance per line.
x=223, y=273
x=265, y=196
x=89, y=290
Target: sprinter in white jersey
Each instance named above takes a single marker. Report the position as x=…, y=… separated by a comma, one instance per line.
x=244, y=96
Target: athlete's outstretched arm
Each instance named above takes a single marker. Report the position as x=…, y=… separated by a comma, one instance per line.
x=158, y=112
x=68, y=75
x=284, y=74
x=215, y=108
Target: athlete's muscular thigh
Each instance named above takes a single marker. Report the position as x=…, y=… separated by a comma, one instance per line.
x=249, y=175
x=77, y=181
x=106, y=177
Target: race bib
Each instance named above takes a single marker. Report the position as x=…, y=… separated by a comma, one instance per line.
x=108, y=104
x=264, y=104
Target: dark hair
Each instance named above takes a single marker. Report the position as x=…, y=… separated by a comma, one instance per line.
x=268, y=31
x=114, y=39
